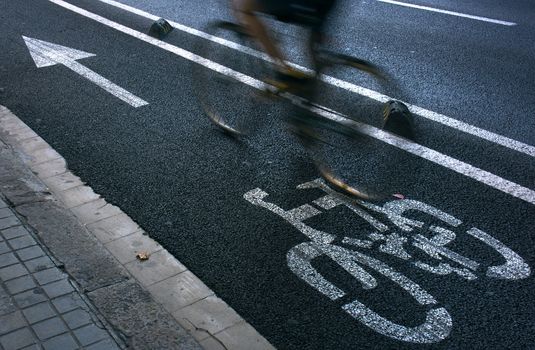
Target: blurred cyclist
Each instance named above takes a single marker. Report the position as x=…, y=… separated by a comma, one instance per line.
x=309, y=13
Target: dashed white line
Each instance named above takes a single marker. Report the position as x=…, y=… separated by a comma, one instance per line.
x=422, y=112
x=458, y=166
x=458, y=14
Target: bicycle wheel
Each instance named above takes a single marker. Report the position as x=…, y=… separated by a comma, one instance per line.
x=347, y=149
x=226, y=90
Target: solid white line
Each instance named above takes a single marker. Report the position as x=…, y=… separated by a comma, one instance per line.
x=439, y=118
x=422, y=112
x=165, y=46
x=468, y=170
x=484, y=19
x=431, y=155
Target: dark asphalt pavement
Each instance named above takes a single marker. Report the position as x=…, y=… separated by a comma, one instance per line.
x=184, y=182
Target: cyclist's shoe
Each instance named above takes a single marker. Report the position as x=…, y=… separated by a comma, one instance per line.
x=289, y=80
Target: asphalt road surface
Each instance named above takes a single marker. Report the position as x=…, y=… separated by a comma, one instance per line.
x=448, y=267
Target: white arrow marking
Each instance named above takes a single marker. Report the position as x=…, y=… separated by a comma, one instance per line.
x=47, y=54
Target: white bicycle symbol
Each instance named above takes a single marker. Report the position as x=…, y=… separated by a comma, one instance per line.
x=438, y=322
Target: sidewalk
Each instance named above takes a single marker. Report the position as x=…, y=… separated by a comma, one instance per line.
x=38, y=302
x=69, y=273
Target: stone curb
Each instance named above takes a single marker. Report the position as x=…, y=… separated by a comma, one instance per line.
x=213, y=323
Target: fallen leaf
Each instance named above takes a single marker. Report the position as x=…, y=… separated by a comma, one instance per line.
x=142, y=256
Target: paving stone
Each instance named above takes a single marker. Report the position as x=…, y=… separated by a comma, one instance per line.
x=125, y=249
x=14, y=232
x=211, y=314
x=68, y=302
x=178, y=291
x=39, y=264
x=4, y=248
x=49, y=328
x=18, y=339
x=145, y=323
x=42, y=155
x=30, y=297
x=11, y=322
x=7, y=259
x=243, y=336
x=11, y=125
x=49, y=275
x=32, y=347
x=107, y=344
x=90, y=334
x=5, y=212
x=20, y=284
x=113, y=228
x=95, y=211
x=62, y=182
x=33, y=144
x=212, y=343
x=50, y=168
x=21, y=242
x=2, y=204
x=63, y=342
x=76, y=196
x=86, y=260
x=30, y=253
x=39, y=312
x=7, y=304
x=23, y=133
x=77, y=318
x=10, y=221
x=58, y=288
x=160, y=266
x=12, y=271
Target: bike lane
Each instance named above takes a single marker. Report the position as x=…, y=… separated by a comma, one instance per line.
x=194, y=191
x=477, y=73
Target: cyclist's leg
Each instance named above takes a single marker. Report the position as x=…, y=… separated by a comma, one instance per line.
x=317, y=36
x=245, y=12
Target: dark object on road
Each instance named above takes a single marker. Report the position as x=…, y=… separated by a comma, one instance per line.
x=398, y=119
x=160, y=28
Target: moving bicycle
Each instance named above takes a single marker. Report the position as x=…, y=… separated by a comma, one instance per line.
x=336, y=144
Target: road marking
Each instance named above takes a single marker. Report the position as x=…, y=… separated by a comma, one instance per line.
x=400, y=236
x=458, y=14
x=436, y=157
x=46, y=54
x=458, y=166
x=422, y=112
